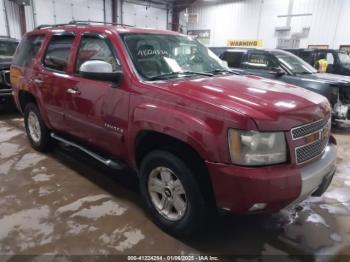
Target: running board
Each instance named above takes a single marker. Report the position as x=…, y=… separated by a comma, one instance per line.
x=108, y=162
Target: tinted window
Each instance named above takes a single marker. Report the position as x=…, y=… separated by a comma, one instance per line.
x=27, y=50
x=58, y=51
x=306, y=56
x=293, y=63
x=92, y=48
x=7, y=49
x=260, y=61
x=233, y=59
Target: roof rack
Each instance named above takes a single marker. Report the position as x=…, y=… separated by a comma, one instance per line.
x=81, y=22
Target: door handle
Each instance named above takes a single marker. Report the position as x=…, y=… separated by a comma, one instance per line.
x=73, y=91
x=38, y=81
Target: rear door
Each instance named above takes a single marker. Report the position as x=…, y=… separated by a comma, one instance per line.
x=53, y=80
x=97, y=110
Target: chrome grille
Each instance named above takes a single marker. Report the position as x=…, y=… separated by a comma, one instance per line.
x=308, y=129
x=318, y=142
x=5, y=77
x=308, y=152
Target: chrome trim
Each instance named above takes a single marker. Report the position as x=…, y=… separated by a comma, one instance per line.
x=4, y=80
x=307, y=161
x=313, y=174
x=302, y=126
x=108, y=162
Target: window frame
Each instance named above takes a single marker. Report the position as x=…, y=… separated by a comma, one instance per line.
x=103, y=37
x=65, y=33
x=254, y=52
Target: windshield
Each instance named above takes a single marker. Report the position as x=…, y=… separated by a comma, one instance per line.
x=7, y=49
x=344, y=58
x=170, y=56
x=294, y=63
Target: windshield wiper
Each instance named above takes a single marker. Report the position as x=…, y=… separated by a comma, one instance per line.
x=162, y=76
x=219, y=70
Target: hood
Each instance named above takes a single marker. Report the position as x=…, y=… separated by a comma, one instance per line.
x=273, y=105
x=332, y=79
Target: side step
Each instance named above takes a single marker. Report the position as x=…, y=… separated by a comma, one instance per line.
x=108, y=162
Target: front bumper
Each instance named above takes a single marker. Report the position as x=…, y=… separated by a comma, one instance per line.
x=240, y=189
x=5, y=92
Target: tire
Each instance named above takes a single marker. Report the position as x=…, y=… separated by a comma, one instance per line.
x=37, y=132
x=191, y=218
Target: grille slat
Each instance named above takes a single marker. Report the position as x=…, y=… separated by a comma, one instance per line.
x=310, y=151
x=301, y=131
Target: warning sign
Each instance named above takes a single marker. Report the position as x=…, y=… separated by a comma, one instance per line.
x=244, y=43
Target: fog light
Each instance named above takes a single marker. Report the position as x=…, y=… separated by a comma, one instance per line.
x=257, y=206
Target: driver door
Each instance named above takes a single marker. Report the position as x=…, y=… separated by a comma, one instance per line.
x=260, y=63
x=96, y=110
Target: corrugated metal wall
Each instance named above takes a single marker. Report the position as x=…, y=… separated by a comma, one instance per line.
x=63, y=11
x=13, y=19
x=144, y=15
x=258, y=19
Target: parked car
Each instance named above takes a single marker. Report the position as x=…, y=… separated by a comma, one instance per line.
x=338, y=60
x=200, y=137
x=7, y=49
x=284, y=66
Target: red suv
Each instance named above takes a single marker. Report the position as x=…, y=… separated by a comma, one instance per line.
x=200, y=137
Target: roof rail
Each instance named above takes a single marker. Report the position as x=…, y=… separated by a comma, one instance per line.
x=81, y=22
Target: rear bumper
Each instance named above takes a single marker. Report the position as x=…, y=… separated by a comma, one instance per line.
x=267, y=189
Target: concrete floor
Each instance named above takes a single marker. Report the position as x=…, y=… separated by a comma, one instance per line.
x=65, y=203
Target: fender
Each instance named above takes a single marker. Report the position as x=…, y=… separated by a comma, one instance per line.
x=178, y=124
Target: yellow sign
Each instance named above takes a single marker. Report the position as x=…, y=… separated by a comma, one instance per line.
x=244, y=43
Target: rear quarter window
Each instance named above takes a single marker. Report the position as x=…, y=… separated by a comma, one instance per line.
x=27, y=50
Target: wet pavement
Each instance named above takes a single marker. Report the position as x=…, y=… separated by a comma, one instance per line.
x=66, y=203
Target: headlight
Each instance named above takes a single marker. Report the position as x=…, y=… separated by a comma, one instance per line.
x=253, y=148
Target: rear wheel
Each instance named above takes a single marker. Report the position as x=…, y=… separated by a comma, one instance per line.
x=37, y=132
x=171, y=193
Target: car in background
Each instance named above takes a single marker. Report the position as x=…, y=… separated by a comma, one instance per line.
x=338, y=60
x=286, y=67
x=7, y=49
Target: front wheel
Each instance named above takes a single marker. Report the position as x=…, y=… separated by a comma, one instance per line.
x=171, y=193
x=37, y=132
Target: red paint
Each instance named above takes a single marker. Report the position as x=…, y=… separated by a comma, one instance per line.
x=198, y=111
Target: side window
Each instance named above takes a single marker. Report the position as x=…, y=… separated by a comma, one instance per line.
x=94, y=48
x=233, y=59
x=260, y=61
x=330, y=58
x=58, y=51
x=306, y=56
x=27, y=50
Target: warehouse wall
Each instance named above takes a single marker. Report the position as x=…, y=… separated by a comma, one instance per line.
x=62, y=11
x=13, y=18
x=145, y=15
x=257, y=19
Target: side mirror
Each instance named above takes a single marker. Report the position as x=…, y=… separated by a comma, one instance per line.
x=277, y=72
x=99, y=70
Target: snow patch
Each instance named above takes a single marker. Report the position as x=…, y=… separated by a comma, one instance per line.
x=29, y=160
x=108, y=208
x=41, y=177
x=8, y=150
x=316, y=218
x=74, y=206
